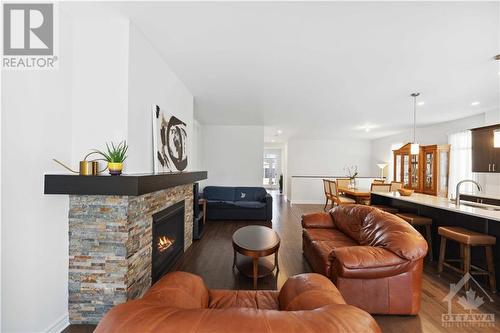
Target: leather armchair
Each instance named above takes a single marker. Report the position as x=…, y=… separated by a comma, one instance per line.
x=180, y=302
x=374, y=258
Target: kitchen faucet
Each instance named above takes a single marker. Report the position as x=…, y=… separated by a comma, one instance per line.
x=457, y=200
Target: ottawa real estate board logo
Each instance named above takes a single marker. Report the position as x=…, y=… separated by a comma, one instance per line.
x=470, y=302
x=29, y=36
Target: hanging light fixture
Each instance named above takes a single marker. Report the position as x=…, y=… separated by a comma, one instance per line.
x=414, y=147
x=496, y=133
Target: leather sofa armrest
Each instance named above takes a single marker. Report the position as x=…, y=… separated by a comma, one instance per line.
x=367, y=262
x=318, y=221
x=269, y=207
x=307, y=292
x=180, y=290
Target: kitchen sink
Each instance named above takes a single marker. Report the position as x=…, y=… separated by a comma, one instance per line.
x=481, y=206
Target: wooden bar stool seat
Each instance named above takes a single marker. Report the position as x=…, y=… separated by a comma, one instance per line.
x=415, y=219
x=467, y=238
x=387, y=209
x=420, y=221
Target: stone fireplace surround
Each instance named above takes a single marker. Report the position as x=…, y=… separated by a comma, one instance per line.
x=110, y=248
x=110, y=234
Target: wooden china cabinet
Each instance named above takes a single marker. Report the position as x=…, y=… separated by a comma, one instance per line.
x=426, y=172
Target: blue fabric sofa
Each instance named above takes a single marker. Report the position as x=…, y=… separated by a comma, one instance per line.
x=238, y=203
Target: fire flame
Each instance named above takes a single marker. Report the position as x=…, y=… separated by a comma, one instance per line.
x=164, y=243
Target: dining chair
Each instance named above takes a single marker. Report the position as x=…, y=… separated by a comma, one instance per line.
x=343, y=183
x=382, y=188
x=396, y=186
x=328, y=193
x=378, y=181
x=338, y=198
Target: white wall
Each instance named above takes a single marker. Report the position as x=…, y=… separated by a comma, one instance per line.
x=99, y=83
x=151, y=81
x=36, y=126
x=322, y=158
x=233, y=155
x=196, y=162
x=108, y=78
x=381, y=151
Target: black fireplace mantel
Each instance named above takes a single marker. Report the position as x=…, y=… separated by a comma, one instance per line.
x=129, y=185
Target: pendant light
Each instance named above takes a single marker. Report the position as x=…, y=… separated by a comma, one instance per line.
x=496, y=133
x=414, y=147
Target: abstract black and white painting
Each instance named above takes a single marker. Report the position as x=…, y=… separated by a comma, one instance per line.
x=169, y=142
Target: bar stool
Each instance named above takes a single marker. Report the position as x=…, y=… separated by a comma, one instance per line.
x=420, y=221
x=387, y=209
x=466, y=239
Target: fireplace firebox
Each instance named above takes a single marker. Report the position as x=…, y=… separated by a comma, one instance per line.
x=168, y=239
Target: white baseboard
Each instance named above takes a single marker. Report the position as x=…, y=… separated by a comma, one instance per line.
x=59, y=325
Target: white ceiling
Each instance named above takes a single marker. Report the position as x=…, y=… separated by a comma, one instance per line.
x=328, y=69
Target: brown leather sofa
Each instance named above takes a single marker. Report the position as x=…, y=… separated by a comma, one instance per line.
x=180, y=302
x=374, y=258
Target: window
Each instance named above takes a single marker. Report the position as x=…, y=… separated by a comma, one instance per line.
x=460, y=161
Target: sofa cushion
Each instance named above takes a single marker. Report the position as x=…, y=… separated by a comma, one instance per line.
x=368, y=262
x=218, y=204
x=250, y=204
x=250, y=194
x=262, y=299
x=350, y=219
x=322, y=248
x=332, y=235
x=221, y=193
x=388, y=231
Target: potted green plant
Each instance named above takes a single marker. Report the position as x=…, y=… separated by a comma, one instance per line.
x=115, y=156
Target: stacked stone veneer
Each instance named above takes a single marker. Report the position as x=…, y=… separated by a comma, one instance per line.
x=110, y=248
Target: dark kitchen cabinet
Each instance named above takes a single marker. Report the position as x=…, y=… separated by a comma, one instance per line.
x=485, y=157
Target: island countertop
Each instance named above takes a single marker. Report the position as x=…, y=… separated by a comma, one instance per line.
x=443, y=203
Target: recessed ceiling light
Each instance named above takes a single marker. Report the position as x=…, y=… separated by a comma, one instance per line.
x=273, y=140
x=280, y=131
x=367, y=129
x=476, y=103
x=421, y=103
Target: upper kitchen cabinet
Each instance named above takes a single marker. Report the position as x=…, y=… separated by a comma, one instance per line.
x=485, y=157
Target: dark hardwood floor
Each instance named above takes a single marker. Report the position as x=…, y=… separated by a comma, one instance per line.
x=212, y=257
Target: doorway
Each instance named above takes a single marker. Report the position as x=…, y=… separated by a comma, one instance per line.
x=272, y=168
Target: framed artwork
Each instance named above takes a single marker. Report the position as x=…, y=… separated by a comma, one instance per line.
x=169, y=142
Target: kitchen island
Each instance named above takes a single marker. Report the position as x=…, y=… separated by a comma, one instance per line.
x=480, y=218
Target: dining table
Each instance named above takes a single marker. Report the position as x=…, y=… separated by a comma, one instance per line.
x=358, y=194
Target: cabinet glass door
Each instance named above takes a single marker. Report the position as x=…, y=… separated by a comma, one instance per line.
x=397, y=169
x=406, y=170
x=444, y=162
x=428, y=171
x=414, y=171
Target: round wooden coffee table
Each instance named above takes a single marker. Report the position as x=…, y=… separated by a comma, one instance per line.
x=254, y=242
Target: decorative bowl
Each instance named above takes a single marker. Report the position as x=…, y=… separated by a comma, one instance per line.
x=405, y=192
